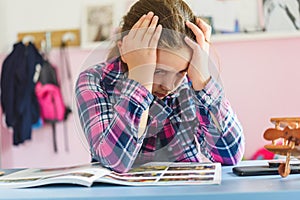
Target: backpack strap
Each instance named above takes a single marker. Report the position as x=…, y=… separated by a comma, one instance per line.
x=53, y=124
x=64, y=55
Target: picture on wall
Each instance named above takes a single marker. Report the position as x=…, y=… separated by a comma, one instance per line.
x=97, y=23
x=281, y=15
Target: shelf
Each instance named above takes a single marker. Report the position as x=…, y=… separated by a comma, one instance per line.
x=237, y=37
x=217, y=38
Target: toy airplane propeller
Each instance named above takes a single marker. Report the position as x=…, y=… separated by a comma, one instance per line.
x=285, y=139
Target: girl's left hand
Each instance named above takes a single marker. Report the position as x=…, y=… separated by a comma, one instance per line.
x=198, y=70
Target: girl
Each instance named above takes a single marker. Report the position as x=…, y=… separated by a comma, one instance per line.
x=155, y=99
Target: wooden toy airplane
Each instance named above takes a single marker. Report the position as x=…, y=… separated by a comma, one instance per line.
x=285, y=139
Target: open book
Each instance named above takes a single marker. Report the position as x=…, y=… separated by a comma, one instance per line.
x=155, y=173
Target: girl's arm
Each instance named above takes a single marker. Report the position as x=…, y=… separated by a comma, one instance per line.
x=115, y=130
x=220, y=134
x=111, y=128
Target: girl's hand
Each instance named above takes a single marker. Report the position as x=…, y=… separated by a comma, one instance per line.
x=198, y=70
x=139, y=48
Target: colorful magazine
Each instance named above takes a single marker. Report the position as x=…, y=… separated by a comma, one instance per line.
x=155, y=173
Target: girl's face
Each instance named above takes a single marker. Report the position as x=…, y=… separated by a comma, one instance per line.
x=172, y=66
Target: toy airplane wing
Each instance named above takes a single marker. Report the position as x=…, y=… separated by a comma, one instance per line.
x=285, y=139
x=292, y=122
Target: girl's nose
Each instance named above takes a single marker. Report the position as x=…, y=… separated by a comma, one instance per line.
x=165, y=88
x=167, y=84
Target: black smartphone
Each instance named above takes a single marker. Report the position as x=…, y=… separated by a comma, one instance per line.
x=261, y=170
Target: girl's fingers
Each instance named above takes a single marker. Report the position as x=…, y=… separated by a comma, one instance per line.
x=135, y=27
x=191, y=44
x=150, y=31
x=144, y=26
x=147, y=20
x=200, y=38
x=155, y=37
x=145, y=33
x=206, y=28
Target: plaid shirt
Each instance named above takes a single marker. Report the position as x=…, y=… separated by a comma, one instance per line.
x=180, y=127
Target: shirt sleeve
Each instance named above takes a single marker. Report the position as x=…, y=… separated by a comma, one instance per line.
x=111, y=127
x=220, y=135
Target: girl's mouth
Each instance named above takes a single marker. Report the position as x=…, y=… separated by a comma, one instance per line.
x=160, y=95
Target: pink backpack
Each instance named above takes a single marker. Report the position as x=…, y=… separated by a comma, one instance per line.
x=51, y=103
x=47, y=90
x=52, y=107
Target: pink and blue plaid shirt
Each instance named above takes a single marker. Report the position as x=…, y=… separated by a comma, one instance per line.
x=180, y=127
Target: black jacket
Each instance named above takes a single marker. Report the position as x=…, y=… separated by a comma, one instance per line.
x=18, y=100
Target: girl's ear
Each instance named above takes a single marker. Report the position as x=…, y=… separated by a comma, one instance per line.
x=119, y=43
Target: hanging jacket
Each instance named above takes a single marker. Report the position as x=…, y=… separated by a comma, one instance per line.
x=18, y=99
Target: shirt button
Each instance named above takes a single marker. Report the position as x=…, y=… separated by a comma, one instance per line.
x=207, y=99
x=170, y=148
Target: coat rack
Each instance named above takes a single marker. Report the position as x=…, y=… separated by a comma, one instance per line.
x=49, y=39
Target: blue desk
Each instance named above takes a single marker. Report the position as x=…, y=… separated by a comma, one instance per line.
x=232, y=187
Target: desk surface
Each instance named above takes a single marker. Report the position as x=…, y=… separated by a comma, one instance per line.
x=232, y=187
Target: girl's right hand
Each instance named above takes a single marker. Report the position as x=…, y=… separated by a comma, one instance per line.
x=139, y=48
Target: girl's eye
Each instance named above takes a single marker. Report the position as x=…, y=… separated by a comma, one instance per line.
x=160, y=72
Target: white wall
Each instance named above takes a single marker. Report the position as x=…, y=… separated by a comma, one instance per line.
x=36, y=15
x=40, y=15
x=227, y=11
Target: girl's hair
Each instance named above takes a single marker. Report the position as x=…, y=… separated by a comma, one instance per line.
x=172, y=16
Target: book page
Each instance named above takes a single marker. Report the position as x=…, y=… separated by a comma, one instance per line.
x=156, y=173
x=82, y=175
x=168, y=174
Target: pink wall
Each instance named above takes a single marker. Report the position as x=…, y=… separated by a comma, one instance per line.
x=261, y=79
